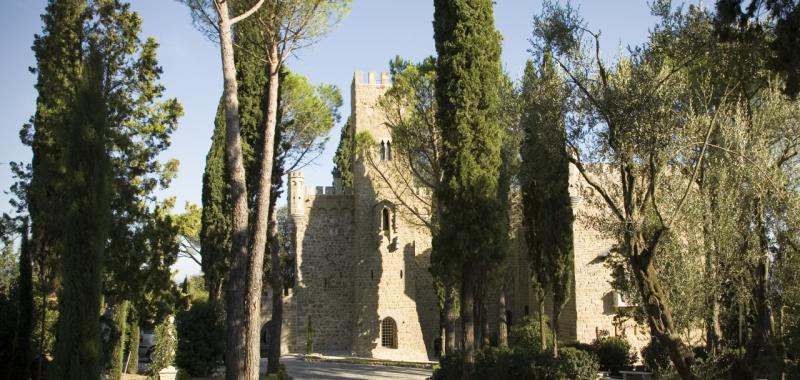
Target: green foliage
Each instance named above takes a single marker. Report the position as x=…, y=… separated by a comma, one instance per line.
x=613, y=353
x=165, y=344
x=544, y=175
x=493, y=363
x=749, y=20
x=183, y=375
x=520, y=363
x=578, y=364
x=9, y=260
x=133, y=345
x=196, y=291
x=121, y=329
x=8, y=324
x=450, y=367
x=309, y=337
x=280, y=375
x=467, y=94
x=215, y=220
x=410, y=108
x=201, y=338
x=527, y=335
x=137, y=124
x=655, y=356
x=87, y=220
x=306, y=114
x=22, y=350
x=343, y=159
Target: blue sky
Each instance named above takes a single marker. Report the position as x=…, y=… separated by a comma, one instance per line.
x=373, y=33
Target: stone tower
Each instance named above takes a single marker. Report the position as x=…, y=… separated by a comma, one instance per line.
x=396, y=316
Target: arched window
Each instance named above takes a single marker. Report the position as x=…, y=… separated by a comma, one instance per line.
x=386, y=219
x=383, y=150
x=388, y=333
x=388, y=150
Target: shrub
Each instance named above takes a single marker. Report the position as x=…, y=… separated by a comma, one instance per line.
x=527, y=335
x=521, y=363
x=495, y=363
x=578, y=364
x=450, y=367
x=201, y=338
x=614, y=353
x=281, y=375
x=655, y=356
x=164, y=352
x=588, y=347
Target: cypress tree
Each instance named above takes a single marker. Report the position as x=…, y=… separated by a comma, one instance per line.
x=121, y=327
x=21, y=355
x=343, y=159
x=215, y=220
x=467, y=93
x=133, y=343
x=545, y=187
x=87, y=218
x=58, y=58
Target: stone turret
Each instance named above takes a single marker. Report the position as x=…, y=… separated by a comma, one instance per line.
x=297, y=194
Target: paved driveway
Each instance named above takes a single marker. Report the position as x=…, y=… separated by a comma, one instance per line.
x=314, y=370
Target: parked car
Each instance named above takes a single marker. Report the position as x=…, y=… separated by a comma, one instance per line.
x=147, y=343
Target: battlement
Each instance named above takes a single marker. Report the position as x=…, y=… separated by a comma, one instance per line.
x=358, y=79
x=320, y=191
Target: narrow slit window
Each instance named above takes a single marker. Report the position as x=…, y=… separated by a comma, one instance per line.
x=388, y=151
x=386, y=219
x=383, y=150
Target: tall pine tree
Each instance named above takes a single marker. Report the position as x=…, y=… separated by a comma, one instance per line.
x=467, y=92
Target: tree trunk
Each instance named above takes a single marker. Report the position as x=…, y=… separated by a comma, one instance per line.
x=451, y=315
x=762, y=327
x=542, y=324
x=241, y=359
x=485, y=338
x=502, y=326
x=554, y=327
x=713, y=327
x=273, y=360
x=261, y=225
x=658, y=313
x=468, y=319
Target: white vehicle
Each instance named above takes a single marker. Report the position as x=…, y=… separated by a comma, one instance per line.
x=147, y=342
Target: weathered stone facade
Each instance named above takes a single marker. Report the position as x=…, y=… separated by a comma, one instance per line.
x=361, y=259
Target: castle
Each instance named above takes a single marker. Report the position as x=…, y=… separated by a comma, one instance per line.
x=362, y=284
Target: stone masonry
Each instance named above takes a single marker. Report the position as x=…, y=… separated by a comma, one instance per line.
x=362, y=263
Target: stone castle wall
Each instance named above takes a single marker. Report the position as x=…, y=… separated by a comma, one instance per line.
x=353, y=270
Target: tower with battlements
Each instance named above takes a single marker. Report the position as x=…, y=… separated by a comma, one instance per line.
x=362, y=281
